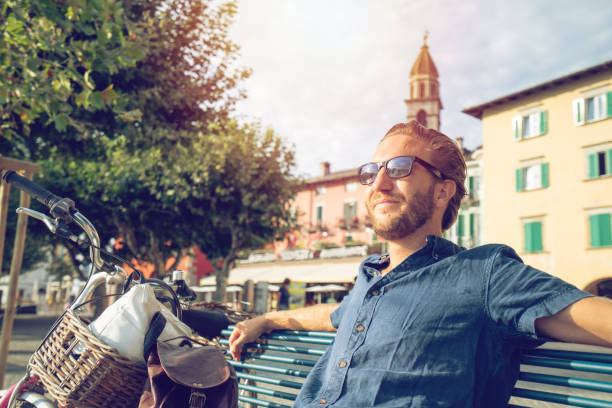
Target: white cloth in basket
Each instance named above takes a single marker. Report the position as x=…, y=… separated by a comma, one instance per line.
x=124, y=324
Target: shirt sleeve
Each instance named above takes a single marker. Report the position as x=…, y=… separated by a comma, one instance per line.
x=518, y=294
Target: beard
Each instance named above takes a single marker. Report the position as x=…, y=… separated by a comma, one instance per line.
x=411, y=216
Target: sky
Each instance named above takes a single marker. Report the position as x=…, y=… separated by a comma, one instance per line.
x=331, y=76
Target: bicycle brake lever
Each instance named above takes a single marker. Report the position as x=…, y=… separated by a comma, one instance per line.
x=48, y=221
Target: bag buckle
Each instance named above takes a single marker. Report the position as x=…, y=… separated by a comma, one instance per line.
x=197, y=399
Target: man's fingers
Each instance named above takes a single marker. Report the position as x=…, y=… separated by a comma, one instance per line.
x=233, y=336
x=236, y=340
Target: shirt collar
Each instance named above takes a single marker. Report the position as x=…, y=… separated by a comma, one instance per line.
x=435, y=249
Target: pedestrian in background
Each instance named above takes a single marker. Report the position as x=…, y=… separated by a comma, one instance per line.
x=283, y=301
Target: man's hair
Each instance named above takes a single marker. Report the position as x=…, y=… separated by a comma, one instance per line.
x=447, y=158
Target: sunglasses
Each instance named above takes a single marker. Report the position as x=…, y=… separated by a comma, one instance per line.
x=396, y=167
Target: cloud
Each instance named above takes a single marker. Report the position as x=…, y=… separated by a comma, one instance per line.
x=331, y=77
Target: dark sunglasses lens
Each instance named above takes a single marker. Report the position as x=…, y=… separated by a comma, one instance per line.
x=367, y=173
x=399, y=166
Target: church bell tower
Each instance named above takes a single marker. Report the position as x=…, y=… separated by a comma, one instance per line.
x=424, y=104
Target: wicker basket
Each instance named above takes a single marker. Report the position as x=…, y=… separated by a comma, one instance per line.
x=83, y=377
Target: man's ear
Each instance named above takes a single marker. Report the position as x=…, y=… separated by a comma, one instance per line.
x=445, y=190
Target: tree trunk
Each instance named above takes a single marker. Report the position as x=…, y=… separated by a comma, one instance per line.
x=222, y=275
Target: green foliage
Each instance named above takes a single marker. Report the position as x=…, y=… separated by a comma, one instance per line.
x=55, y=62
x=127, y=107
x=354, y=243
x=320, y=245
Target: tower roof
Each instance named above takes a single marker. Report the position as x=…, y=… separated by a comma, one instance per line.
x=424, y=64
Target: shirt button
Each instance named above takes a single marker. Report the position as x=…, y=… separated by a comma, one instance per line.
x=342, y=364
x=322, y=401
x=374, y=293
x=360, y=328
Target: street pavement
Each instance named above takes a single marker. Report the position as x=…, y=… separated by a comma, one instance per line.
x=28, y=332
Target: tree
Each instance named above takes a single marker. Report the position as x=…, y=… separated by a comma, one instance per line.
x=145, y=143
x=248, y=185
x=52, y=57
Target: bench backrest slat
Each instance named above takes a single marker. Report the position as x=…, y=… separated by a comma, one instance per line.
x=561, y=399
x=273, y=370
x=582, y=383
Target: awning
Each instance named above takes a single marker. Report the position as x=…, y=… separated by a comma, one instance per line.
x=310, y=271
x=203, y=289
x=326, y=288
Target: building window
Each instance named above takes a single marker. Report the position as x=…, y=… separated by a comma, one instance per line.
x=422, y=117
x=467, y=235
x=592, y=108
x=350, y=213
x=601, y=233
x=421, y=90
x=433, y=90
x=533, y=236
x=351, y=186
x=460, y=229
x=532, y=177
x=599, y=163
x=473, y=184
x=319, y=214
x=530, y=125
x=320, y=190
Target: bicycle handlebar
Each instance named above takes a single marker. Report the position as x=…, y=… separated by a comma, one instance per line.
x=59, y=207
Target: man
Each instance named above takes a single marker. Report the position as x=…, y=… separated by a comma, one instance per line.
x=430, y=324
x=283, y=300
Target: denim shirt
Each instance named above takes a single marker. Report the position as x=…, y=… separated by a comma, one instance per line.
x=442, y=329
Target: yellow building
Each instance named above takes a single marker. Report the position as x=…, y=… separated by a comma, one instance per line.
x=547, y=154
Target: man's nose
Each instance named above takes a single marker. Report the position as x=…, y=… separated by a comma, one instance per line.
x=382, y=181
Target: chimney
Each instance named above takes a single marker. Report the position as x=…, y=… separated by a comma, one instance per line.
x=460, y=143
x=324, y=168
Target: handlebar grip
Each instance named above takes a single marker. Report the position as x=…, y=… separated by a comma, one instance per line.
x=32, y=189
x=206, y=323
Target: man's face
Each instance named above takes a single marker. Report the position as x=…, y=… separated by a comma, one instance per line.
x=399, y=207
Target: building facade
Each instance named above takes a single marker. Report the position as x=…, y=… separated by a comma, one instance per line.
x=468, y=230
x=548, y=159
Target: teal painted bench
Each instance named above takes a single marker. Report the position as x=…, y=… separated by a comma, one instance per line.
x=273, y=370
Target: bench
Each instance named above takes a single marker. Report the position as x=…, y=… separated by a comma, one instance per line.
x=273, y=370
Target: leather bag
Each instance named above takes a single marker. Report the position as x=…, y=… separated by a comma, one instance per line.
x=188, y=375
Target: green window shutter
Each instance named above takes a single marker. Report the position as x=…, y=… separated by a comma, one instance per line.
x=519, y=180
x=471, y=185
x=593, y=165
x=577, y=109
x=609, y=169
x=543, y=122
x=594, y=222
x=544, y=174
x=472, y=225
x=609, y=103
x=460, y=226
x=536, y=236
x=319, y=214
x=601, y=230
x=605, y=230
x=527, y=235
x=533, y=236
x=517, y=124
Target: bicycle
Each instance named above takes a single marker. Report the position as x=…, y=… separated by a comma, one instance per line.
x=63, y=213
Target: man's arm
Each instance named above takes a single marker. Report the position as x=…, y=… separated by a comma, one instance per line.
x=586, y=321
x=309, y=318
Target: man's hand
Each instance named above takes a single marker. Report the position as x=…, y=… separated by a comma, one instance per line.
x=245, y=332
x=309, y=318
